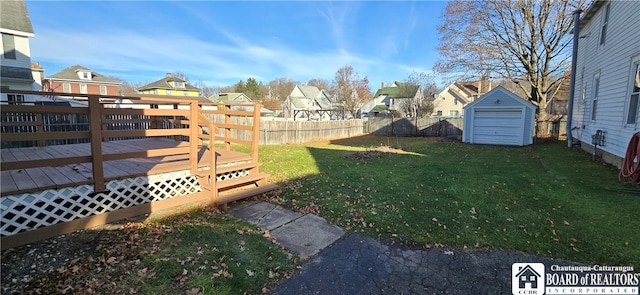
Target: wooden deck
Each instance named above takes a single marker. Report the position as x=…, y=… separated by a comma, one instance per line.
x=58, y=176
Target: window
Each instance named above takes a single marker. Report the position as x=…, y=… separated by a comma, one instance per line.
x=168, y=91
x=9, y=46
x=603, y=32
x=83, y=88
x=186, y=93
x=66, y=87
x=439, y=113
x=453, y=113
x=103, y=90
x=154, y=106
x=596, y=89
x=179, y=84
x=14, y=98
x=455, y=101
x=632, y=113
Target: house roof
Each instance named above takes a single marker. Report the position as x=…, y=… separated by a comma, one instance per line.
x=379, y=108
x=310, y=93
x=401, y=90
x=14, y=18
x=229, y=97
x=591, y=12
x=71, y=73
x=164, y=84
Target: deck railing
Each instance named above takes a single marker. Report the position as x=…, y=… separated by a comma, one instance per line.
x=109, y=118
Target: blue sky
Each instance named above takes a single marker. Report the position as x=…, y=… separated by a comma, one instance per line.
x=221, y=43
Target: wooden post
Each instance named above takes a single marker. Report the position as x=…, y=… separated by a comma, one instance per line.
x=256, y=134
x=40, y=128
x=227, y=131
x=193, y=136
x=95, y=128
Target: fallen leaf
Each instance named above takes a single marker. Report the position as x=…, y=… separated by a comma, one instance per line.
x=250, y=273
x=240, y=232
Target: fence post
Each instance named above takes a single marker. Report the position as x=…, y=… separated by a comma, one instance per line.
x=40, y=128
x=95, y=129
x=194, y=109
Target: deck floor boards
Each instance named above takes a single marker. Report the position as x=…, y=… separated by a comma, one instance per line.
x=33, y=179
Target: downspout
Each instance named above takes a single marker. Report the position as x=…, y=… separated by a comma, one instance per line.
x=572, y=87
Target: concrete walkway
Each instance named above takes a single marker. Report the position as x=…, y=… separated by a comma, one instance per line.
x=304, y=234
x=356, y=264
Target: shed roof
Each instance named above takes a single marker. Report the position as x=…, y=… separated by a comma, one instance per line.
x=504, y=91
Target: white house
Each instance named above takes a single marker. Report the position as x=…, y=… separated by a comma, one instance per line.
x=607, y=79
x=307, y=102
x=15, y=63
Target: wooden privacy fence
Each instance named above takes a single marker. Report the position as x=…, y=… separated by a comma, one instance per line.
x=426, y=126
x=275, y=132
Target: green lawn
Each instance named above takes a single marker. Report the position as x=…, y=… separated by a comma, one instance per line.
x=543, y=199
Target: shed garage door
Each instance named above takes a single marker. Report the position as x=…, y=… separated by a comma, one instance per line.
x=498, y=126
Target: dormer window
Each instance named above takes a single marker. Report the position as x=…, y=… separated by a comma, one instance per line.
x=84, y=75
x=178, y=84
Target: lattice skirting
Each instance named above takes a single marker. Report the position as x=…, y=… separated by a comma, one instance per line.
x=24, y=212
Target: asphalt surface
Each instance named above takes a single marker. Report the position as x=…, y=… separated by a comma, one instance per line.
x=357, y=264
x=354, y=264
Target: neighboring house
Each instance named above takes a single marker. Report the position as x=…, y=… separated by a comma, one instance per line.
x=389, y=99
x=240, y=98
x=607, y=79
x=307, y=102
x=79, y=79
x=15, y=63
x=451, y=101
x=231, y=97
x=557, y=106
x=169, y=85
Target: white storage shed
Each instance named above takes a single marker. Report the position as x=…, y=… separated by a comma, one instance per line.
x=499, y=117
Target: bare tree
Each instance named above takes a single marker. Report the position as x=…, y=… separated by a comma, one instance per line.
x=181, y=75
x=350, y=91
x=320, y=83
x=524, y=41
x=206, y=90
x=280, y=88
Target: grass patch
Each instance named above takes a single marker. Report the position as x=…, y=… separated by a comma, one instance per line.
x=543, y=199
x=198, y=252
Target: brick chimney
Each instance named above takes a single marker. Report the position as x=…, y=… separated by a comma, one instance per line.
x=381, y=84
x=168, y=75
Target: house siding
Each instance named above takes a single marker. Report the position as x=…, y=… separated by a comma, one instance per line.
x=613, y=60
x=92, y=88
x=23, y=53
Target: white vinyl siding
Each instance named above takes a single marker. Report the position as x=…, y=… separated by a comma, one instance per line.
x=22, y=57
x=614, y=61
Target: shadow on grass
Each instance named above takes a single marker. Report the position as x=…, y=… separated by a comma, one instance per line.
x=543, y=199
